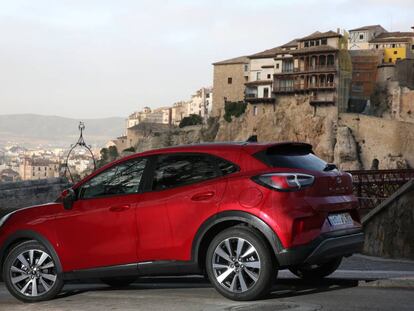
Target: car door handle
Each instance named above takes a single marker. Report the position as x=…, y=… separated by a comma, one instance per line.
x=203, y=196
x=119, y=208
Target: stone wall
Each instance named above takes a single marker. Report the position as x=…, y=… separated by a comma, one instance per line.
x=389, y=228
x=27, y=193
x=389, y=141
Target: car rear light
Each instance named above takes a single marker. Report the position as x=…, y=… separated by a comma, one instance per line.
x=285, y=181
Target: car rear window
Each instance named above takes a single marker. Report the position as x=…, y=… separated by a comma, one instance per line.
x=291, y=156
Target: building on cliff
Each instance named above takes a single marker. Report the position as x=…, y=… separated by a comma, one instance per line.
x=360, y=37
x=319, y=67
x=228, y=82
x=394, y=45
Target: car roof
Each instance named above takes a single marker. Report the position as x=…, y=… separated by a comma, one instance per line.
x=213, y=147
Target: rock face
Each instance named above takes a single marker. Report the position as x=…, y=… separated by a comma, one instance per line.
x=289, y=119
x=389, y=228
x=346, y=150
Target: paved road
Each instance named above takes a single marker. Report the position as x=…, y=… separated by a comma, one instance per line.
x=361, y=283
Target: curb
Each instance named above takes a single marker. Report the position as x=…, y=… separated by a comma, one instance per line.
x=407, y=282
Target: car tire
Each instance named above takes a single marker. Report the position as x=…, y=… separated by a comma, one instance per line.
x=31, y=273
x=317, y=272
x=240, y=265
x=119, y=282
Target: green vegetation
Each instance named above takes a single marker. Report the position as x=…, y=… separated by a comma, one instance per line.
x=130, y=149
x=192, y=119
x=234, y=109
x=107, y=155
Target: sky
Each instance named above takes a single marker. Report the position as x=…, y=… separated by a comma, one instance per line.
x=104, y=58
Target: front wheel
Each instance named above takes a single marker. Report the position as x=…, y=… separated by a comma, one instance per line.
x=31, y=273
x=239, y=264
x=318, y=271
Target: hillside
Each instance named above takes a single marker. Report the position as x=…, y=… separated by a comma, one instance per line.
x=32, y=130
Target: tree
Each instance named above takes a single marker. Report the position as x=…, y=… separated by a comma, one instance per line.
x=192, y=119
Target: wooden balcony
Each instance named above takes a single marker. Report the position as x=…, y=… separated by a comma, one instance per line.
x=303, y=88
x=252, y=98
x=308, y=70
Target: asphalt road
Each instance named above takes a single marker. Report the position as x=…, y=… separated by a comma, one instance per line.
x=361, y=283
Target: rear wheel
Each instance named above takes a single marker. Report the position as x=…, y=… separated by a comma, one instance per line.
x=239, y=264
x=119, y=281
x=318, y=271
x=31, y=273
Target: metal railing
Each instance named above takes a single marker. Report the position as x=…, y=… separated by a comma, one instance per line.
x=372, y=187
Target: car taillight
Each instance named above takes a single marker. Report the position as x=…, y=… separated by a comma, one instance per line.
x=285, y=181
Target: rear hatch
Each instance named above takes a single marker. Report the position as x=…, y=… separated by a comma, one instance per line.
x=331, y=189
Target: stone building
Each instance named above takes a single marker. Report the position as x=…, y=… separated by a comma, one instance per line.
x=179, y=111
x=159, y=115
x=320, y=68
x=137, y=117
x=38, y=168
x=394, y=45
x=359, y=38
x=201, y=102
x=228, y=82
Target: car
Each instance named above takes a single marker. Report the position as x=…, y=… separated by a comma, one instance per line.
x=235, y=212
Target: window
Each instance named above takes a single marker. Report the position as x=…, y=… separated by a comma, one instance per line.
x=361, y=36
x=123, y=178
x=376, y=46
x=269, y=75
x=317, y=42
x=306, y=44
x=393, y=46
x=226, y=167
x=277, y=65
x=266, y=92
x=324, y=41
x=258, y=75
x=229, y=80
x=312, y=43
x=175, y=170
x=395, y=52
x=390, y=60
x=246, y=67
x=412, y=47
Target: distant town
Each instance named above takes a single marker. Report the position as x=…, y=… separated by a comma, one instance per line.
x=342, y=69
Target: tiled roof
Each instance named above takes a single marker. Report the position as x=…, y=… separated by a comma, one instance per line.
x=236, y=60
x=369, y=27
x=319, y=35
x=393, y=36
x=267, y=53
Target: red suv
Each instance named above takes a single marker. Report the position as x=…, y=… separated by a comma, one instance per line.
x=237, y=212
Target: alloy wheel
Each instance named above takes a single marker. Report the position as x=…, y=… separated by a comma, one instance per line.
x=236, y=264
x=33, y=273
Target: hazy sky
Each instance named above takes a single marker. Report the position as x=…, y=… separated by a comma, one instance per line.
x=105, y=58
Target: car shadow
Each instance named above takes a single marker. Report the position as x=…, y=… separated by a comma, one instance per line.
x=283, y=288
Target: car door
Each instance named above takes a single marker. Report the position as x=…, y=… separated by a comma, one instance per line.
x=184, y=191
x=100, y=229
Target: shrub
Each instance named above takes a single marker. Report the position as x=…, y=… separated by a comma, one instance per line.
x=234, y=109
x=192, y=119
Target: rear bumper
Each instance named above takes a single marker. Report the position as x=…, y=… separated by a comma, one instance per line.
x=327, y=246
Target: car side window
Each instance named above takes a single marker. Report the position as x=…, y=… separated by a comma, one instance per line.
x=123, y=178
x=226, y=167
x=175, y=170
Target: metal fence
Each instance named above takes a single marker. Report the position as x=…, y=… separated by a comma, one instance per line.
x=371, y=187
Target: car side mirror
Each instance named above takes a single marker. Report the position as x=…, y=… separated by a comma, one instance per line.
x=68, y=197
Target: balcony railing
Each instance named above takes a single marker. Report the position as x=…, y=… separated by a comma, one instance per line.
x=304, y=87
x=252, y=98
x=308, y=69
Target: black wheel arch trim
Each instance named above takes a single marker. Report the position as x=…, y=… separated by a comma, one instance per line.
x=28, y=235
x=241, y=216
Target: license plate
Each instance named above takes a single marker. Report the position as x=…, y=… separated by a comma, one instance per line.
x=340, y=219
